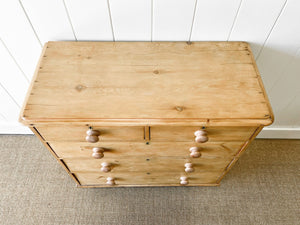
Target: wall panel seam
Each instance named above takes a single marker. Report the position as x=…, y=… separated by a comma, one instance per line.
x=29, y=21
x=234, y=21
x=10, y=95
x=69, y=18
x=193, y=20
x=272, y=28
x=110, y=19
x=13, y=58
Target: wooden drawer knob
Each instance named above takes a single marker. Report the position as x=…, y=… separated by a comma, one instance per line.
x=106, y=167
x=92, y=136
x=201, y=136
x=98, y=153
x=195, y=152
x=184, y=180
x=189, y=167
x=110, y=181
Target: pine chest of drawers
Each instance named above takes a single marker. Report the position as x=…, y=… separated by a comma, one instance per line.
x=146, y=114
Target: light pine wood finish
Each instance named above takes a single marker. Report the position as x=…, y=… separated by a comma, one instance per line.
x=164, y=133
x=117, y=149
x=147, y=164
x=78, y=133
x=147, y=81
x=153, y=178
x=146, y=114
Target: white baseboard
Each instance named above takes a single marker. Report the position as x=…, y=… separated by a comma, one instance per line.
x=280, y=133
x=284, y=132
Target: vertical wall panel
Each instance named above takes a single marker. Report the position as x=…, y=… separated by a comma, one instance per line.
x=255, y=21
x=9, y=109
x=90, y=19
x=282, y=44
x=131, y=19
x=49, y=19
x=19, y=36
x=285, y=92
x=289, y=116
x=11, y=77
x=172, y=19
x=2, y=118
x=214, y=19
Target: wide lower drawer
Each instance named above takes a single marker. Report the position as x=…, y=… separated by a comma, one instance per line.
x=77, y=133
x=147, y=164
x=159, y=149
x=186, y=133
x=141, y=178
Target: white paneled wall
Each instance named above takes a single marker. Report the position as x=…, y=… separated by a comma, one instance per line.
x=253, y=24
x=214, y=19
x=272, y=28
x=49, y=19
x=177, y=24
x=131, y=19
x=95, y=13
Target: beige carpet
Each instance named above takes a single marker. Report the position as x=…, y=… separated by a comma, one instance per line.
x=262, y=188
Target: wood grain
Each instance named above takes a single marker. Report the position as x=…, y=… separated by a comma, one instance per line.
x=160, y=149
x=146, y=81
x=186, y=133
x=136, y=179
x=147, y=164
x=146, y=100
x=78, y=133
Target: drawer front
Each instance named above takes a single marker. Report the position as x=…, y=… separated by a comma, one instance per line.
x=215, y=134
x=152, y=149
x=140, y=178
x=147, y=164
x=78, y=133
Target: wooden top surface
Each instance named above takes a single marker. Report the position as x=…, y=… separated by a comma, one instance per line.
x=98, y=81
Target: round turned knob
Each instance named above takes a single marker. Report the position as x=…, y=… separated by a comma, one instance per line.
x=98, y=153
x=189, y=167
x=92, y=136
x=200, y=133
x=195, y=152
x=91, y=132
x=110, y=181
x=201, y=136
x=184, y=180
x=106, y=167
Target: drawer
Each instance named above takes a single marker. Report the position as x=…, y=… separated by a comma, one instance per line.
x=147, y=164
x=140, y=178
x=186, y=133
x=159, y=149
x=78, y=133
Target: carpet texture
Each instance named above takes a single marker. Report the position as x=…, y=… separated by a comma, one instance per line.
x=262, y=188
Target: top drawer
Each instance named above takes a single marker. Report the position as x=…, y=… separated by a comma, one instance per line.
x=78, y=133
x=214, y=134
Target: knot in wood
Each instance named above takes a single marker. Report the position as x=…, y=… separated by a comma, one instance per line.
x=179, y=108
x=80, y=87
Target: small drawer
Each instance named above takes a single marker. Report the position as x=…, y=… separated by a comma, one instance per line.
x=141, y=178
x=69, y=133
x=151, y=149
x=214, y=134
